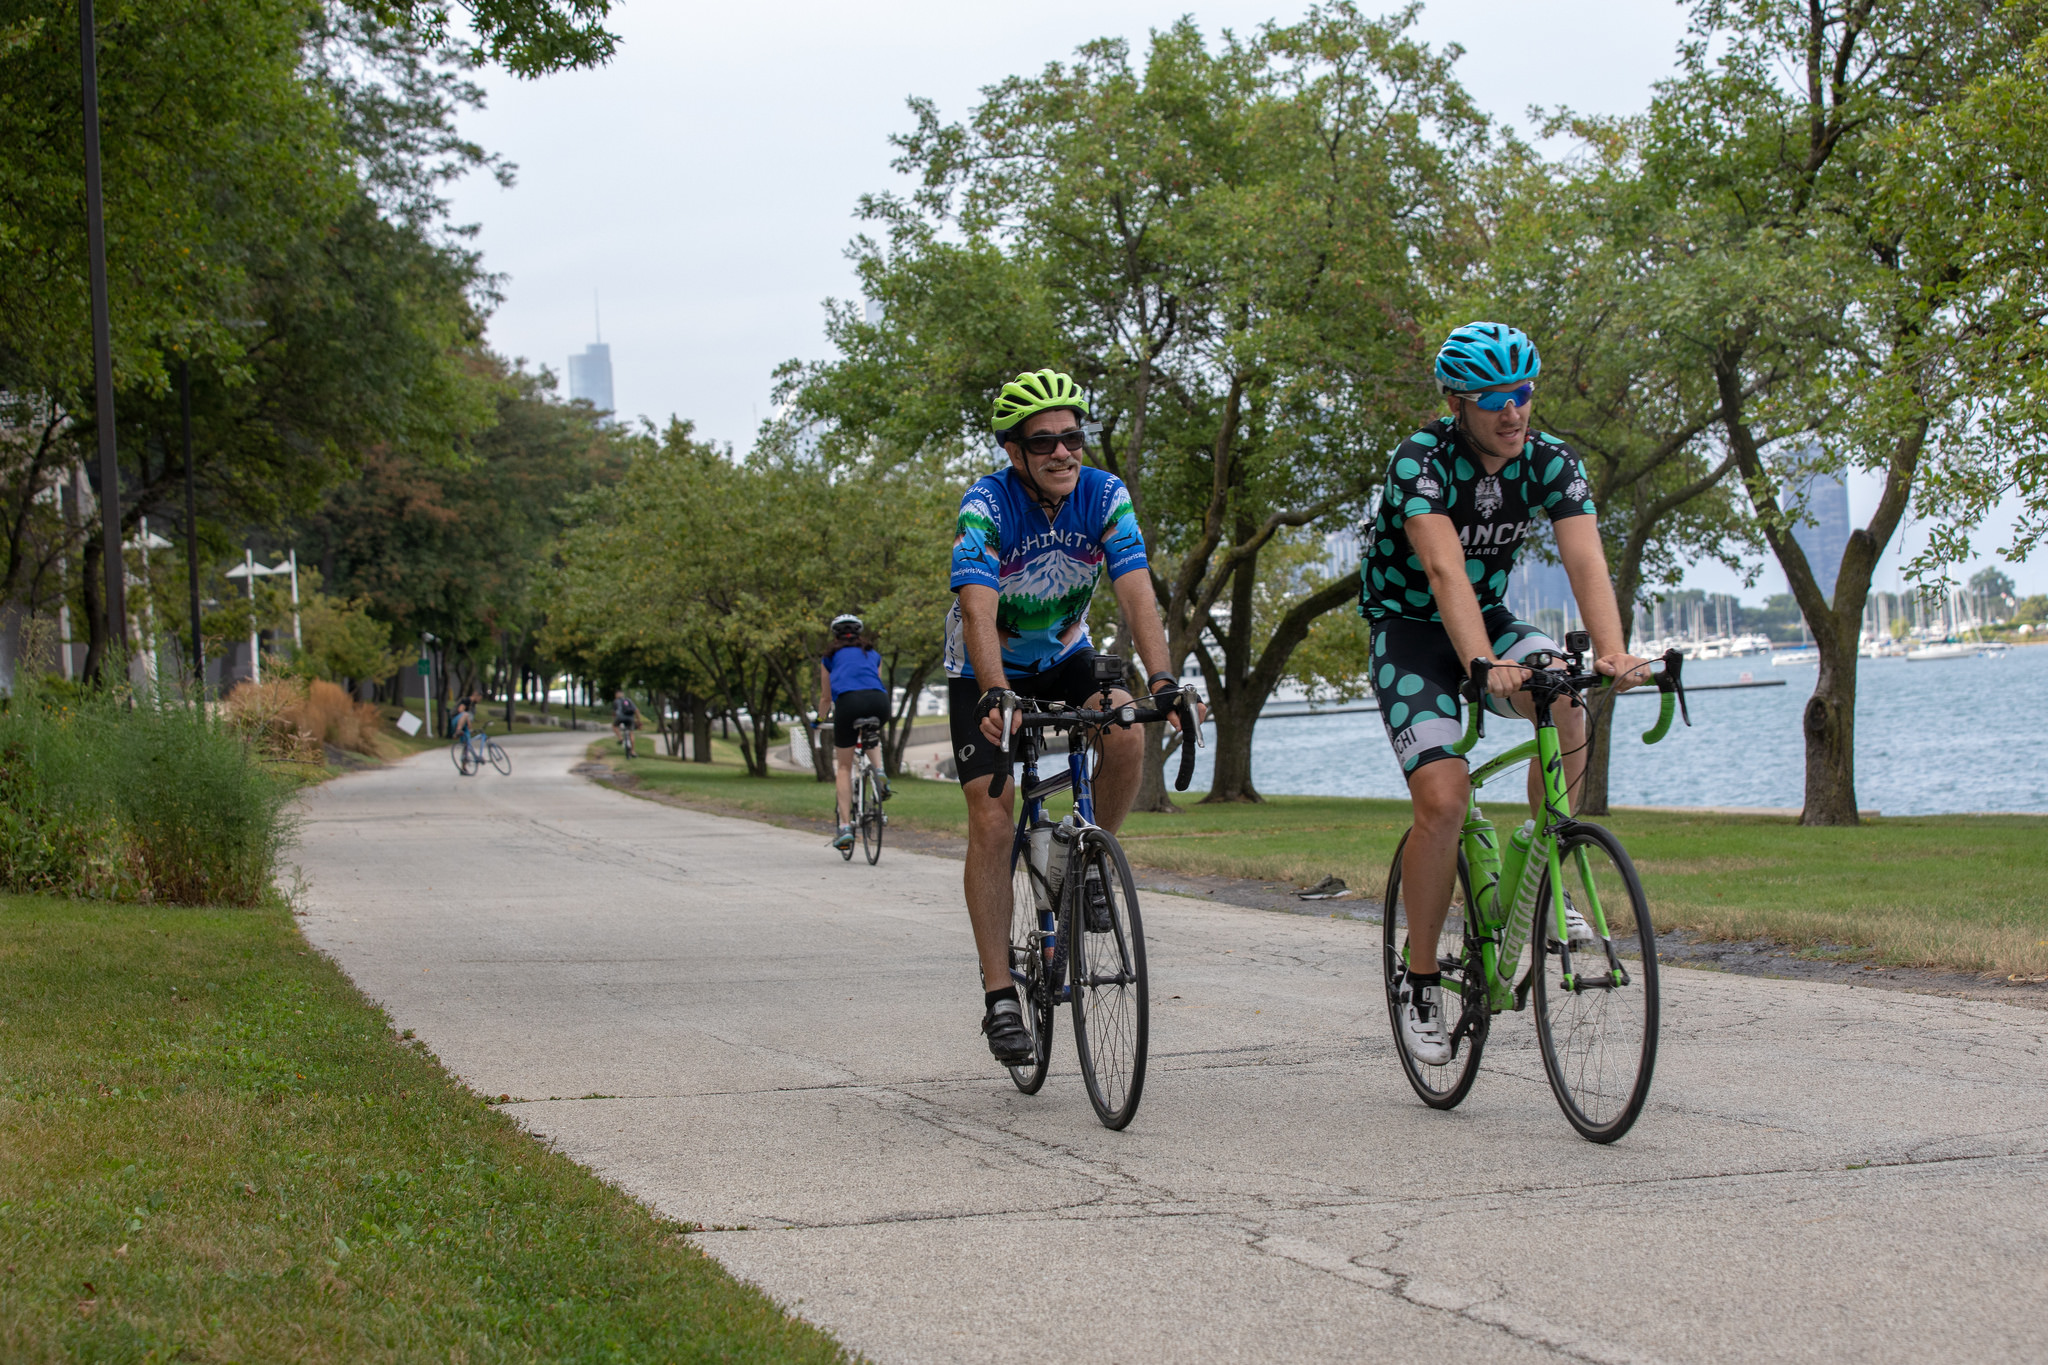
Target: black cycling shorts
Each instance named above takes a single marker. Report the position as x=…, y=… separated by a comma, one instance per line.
x=863, y=703
x=1071, y=680
x=1416, y=674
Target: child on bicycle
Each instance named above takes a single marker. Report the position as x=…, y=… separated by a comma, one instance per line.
x=1459, y=502
x=850, y=689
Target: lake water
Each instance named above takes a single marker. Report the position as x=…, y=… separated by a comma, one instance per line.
x=1931, y=738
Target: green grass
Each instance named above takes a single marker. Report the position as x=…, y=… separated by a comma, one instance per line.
x=1960, y=892
x=212, y=1148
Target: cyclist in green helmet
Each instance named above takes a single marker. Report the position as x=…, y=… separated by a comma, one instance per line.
x=1032, y=540
x=1460, y=500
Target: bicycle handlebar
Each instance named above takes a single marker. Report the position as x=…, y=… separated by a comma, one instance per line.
x=1133, y=712
x=1670, y=682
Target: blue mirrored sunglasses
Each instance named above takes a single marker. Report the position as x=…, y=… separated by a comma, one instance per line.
x=1494, y=402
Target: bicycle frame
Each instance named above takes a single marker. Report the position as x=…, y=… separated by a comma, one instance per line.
x=1030, y=809
x=1504, y=907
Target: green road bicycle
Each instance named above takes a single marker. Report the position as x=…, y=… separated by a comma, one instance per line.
x=476, y=748
x=1596, y=1018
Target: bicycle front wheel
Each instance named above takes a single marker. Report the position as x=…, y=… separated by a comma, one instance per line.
x=500, y=760
x=1032, y=975
x=1106, y=952
x=870, y=817
x=1599, y=1027
x=1464, y=991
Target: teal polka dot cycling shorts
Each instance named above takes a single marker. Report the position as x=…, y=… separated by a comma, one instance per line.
x=1416, y=673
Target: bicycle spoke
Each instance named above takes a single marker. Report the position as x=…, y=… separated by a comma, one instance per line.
x=1598, y=1028
x=1111, y=1006
x=1028, y=973
x=1438, y=1086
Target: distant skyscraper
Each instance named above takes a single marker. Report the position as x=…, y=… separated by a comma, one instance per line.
x=590, y=376
x=1827, y=502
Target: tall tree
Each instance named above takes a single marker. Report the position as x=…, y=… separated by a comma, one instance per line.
x=1772, y=151
x=1229, y=247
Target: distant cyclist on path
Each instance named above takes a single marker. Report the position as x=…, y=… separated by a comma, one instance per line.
x=850, y=689
x=625, y=718
x=1460, y=500
x=1031, y=540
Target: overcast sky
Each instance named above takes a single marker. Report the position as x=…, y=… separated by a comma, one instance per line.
x=702, y=186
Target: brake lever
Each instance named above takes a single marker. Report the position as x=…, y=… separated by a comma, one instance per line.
x=1674, y=669
x=1475, y=693
x=1008, y=710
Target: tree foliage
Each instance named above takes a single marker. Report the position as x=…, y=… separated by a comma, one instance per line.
x=1232, y=246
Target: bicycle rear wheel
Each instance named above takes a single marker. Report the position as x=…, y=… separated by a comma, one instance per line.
x=500, y=760
x=1031, y=974
x=1112, y=1016
x=871, y=818
x=458, y=753
x=1598, y=1031
x=1464, y=990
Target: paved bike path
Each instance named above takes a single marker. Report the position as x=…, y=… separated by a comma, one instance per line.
x=746, y=1032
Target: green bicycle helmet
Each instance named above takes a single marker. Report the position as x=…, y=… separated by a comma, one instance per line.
x=1036, y=391
x=1480, y=355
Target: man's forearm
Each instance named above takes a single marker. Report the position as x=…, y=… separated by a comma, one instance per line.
x=984, y=641
x=1585, y=565
x=1141, y=612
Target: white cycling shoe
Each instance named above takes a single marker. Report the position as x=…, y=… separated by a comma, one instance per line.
x=1577, y=932
x=1422, y=1024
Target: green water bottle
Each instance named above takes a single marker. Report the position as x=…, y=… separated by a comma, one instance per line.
x=1482, y=858
x=1513, y=859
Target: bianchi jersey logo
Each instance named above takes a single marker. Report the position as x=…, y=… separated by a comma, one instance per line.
x=1428, y=487
x=1487, y=497
x=1576, y=490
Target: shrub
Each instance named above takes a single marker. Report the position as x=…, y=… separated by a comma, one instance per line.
x=119, y=797
x=290, y=718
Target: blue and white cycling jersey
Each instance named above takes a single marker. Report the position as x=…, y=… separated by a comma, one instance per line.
x=1043, y=569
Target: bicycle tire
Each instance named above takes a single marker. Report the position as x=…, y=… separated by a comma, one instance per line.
x=500, y=760
x=456, y=755
x=1599, y=1045
x=1112, y=1007
x=871, y=818
x=1030, y=973
x=1464, y=989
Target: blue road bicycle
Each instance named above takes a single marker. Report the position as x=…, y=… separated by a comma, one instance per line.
x=474, y=748
x=1076, y=936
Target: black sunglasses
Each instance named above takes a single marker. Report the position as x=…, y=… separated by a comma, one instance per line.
x=1045, y=442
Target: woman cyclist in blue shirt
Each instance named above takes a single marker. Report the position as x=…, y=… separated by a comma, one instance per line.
x=850, y=690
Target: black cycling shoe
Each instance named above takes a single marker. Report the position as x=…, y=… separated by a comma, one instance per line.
x=1095, y=900
x=1008, y=1039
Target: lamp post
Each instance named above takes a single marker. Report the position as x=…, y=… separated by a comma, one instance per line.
x=427, y=676
x=116, y=605
x=191, y=523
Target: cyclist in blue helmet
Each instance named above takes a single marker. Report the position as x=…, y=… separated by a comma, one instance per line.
x=1460, y=500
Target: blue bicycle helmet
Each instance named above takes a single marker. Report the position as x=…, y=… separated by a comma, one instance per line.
x=1480, y=355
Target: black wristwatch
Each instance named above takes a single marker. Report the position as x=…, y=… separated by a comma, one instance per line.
x=1152, y=682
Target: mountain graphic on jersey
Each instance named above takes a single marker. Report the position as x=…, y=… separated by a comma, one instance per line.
x=1048, y=593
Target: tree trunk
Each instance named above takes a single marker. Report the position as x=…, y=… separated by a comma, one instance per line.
x=1830, y=725
x=1232, y=776
x=700, y=729
x=91, y=559
x=1593, y=794
x=1830, y=718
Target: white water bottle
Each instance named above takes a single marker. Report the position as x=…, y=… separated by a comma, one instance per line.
x=1037, y=849
x=1062, y=854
